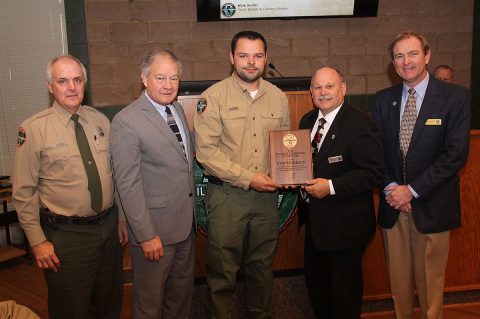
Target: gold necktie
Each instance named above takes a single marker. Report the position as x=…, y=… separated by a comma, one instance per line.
x=408, y=122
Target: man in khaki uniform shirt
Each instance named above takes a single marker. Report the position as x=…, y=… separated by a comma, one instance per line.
x=231, y=129
x=77, y=247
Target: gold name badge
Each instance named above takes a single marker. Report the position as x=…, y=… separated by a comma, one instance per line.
x=433, y=122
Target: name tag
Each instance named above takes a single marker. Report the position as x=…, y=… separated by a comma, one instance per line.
x=335, y=159
x=433, y=122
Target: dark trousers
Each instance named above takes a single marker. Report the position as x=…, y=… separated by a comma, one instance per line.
x=334, y=281
x=88, y=283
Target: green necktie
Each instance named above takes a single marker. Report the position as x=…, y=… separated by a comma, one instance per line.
x=94, y=184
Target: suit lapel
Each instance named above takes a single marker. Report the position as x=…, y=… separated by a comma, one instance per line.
x=154, y=117
x=334, y=132
x=394, y=105
x=426, y=110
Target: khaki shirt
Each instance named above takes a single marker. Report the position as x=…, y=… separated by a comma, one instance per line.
x=49, y=171
x=232, y=132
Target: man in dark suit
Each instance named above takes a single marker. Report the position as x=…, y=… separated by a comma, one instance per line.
x=348, y=164
x=152, y=153
x=424, y=125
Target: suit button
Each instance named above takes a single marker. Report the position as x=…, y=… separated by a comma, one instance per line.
x=190, y=194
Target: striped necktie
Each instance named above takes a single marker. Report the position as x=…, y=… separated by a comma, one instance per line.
x=173, y=126
x=317, y=138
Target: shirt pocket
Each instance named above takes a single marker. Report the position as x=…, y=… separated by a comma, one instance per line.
x=156, y=201
x=101, y=153
x=272, y=117
x=234, y=120
x=61, y=162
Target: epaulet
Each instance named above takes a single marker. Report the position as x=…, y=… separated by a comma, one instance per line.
x=38, y=115
x=89, y=108
x=94, y=110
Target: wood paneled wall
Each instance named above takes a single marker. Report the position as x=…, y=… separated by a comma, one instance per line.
x=463, y=268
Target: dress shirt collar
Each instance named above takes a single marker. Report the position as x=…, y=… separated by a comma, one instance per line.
x=420, y=88
x=330, y=116
x=161, y=108
x=65, y=116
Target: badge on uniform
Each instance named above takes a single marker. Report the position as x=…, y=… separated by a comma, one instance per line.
x=201, y=106
x=335, y=159
x=433, y=122
x=100, y=131
x=22, y=136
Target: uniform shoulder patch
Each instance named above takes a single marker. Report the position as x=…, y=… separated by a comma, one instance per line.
x=22, y=136
x=201, y=106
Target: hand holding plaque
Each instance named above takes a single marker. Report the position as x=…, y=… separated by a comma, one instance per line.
x=290, y=157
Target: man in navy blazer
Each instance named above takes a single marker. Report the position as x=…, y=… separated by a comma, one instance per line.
x=348, y=164
x=420, y=199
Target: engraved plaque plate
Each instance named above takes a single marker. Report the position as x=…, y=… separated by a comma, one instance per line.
x=291, y=157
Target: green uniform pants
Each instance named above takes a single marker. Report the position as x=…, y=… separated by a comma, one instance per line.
x=88, y=283
x=242, y=231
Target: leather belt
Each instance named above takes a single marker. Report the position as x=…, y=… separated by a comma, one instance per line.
x=214, y=180
x=52, y=218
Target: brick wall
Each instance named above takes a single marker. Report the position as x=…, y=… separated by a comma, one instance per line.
x=120, y=32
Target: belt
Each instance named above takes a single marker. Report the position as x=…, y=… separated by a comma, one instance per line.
x=52, y=218
x=214, y=180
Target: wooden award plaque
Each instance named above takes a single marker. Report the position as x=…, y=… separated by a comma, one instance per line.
x=291, y=157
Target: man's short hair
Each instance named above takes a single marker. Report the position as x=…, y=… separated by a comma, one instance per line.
x=443, y=66
x=63, y=56
x=405, y=35
x=250, y=35
x=150, y=58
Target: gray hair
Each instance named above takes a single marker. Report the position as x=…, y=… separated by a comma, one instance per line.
x=63, y=56
x=150, y=58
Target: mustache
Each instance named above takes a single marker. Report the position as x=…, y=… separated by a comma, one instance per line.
x=325, y=97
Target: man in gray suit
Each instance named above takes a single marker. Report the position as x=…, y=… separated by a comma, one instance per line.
x=152, y=155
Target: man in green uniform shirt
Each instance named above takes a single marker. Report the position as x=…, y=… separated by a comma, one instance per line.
x=233, y=120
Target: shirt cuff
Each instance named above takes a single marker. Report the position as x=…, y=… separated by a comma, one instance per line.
x=330, y=184
x=388, y=192
x=414, y=193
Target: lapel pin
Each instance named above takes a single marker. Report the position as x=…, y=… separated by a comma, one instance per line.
x=394, y=103
x=333, y=136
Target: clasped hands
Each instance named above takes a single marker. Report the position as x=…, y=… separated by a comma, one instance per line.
x=399, y=198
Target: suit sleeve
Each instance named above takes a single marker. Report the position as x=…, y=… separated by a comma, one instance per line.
x=455, y=148
x=377, y=117
x=126, y=154
x=367, y=159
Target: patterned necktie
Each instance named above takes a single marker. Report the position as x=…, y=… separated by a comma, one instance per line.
x=94, y=183
x=318, y=136
x=173, y=126
x=408, y=122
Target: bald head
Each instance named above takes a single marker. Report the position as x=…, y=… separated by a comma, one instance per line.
x=443, y=73
x=328, y=89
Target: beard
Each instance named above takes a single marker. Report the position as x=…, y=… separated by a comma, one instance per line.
x=249, y=77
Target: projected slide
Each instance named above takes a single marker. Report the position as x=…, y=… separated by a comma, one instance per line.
x=231, y=9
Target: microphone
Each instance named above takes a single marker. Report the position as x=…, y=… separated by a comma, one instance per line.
x=271, y=66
